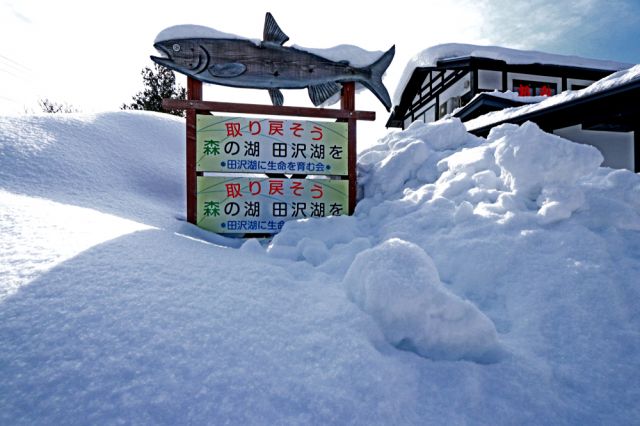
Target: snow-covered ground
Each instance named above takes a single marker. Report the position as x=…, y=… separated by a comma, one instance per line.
x=480, y=282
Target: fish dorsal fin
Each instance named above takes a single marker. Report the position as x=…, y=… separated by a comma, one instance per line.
x=277, y=98
x=321, y=92
x=272, y=31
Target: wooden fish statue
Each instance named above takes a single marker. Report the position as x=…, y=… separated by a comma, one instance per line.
x=238, y=62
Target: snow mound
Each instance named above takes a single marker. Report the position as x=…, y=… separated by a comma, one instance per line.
x=398, y=284
x=127, y=163
x=516, y=171
x=530, y=160
x=408, y=158
x=30, y=245
x=513, y=223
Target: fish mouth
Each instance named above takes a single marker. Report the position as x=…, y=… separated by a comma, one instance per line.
x=165, y=59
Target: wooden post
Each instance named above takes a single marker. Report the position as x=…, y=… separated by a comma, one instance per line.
x=348, y=103
x=194, y=92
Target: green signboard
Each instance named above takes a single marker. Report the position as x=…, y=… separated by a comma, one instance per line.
x=265, y=145
x=262, y=205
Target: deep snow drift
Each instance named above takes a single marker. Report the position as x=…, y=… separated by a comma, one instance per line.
x=480, y=281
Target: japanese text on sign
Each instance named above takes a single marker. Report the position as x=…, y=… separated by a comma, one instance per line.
x=257, y=205
x=252, y=145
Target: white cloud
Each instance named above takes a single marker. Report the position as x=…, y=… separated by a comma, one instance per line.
x=547, y=24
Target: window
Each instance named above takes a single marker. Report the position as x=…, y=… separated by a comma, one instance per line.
x=577, y=86
x=450, y=105
x=451, y=98
x=489, y=80
x=430, y=115
x=534, y=88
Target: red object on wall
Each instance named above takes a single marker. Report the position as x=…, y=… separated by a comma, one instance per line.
x=545, y=91
x=524, y=90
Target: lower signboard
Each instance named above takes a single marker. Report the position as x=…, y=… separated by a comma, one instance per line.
x=262, y=205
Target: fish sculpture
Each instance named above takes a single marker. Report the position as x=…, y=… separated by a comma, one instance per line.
x=267, y=64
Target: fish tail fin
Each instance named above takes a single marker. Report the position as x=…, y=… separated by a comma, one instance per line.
x=377, y=70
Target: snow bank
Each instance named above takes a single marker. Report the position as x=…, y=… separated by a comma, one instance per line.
x=404, y=159
x=69, y=182
x=429, y=58
x=520, y=170
x=122, y=163
x=398, y=285
x=507, y=221
x=30, y=246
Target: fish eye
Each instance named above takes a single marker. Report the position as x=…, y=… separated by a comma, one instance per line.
x=176, y=47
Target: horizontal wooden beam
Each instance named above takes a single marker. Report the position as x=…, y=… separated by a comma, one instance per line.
x=267, y=109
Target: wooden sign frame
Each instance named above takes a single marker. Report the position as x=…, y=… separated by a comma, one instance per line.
x=194, y=105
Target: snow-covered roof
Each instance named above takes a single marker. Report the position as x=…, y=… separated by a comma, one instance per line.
x=614, y=80
x=430, y=57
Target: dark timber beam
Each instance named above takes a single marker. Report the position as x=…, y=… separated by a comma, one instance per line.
x=266, y=109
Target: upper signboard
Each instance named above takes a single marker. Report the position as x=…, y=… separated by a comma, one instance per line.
x=265, y=145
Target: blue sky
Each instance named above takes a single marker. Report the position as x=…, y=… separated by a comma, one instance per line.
x=603, y=29
x=90, y=53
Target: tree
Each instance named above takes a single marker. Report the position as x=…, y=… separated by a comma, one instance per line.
x=52, y=107
x=159, y=83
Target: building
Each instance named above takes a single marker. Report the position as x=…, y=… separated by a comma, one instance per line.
x=471, y=82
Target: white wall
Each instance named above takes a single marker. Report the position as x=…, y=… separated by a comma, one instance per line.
x=616, y=147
